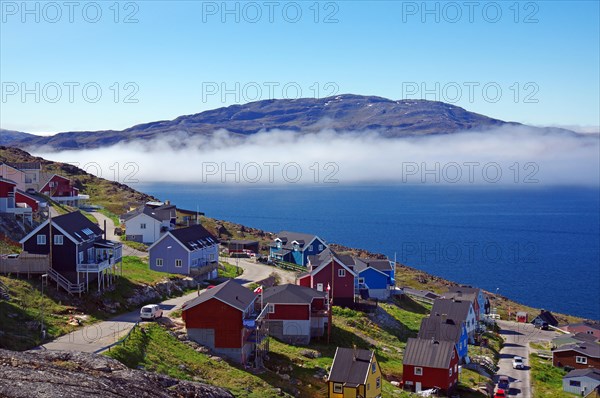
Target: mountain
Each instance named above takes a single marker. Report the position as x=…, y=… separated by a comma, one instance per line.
x=342, y=113
x=10, y=137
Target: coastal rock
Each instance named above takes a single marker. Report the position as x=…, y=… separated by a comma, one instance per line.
x=56, y=374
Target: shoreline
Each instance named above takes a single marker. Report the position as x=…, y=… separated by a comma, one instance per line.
x=411, y=276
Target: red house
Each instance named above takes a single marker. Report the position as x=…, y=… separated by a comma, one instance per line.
x=328, y=270
x=224, y=319
x=10, y=203
x=584, y=327
x=29, y=200
x=61, y=189
x=577, y=356
x=430, y=363
x=295, y=313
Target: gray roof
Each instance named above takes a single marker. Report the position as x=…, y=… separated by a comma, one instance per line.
x=361, y=264
x=194, y=237
x=454, y=309
x=464, y=289
x=593, y=325
x=589, y=372
x=589, y=349
x=287, y=237
x=291, y=294
x=471, y=297
x=428, y=353
x=573, y=339
x=435, y=327
x=160, y=213
x=420, y=293
x=350, y=366
x=230, y=292
x=325, y=257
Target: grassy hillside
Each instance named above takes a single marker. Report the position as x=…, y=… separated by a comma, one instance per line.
x=114, y=196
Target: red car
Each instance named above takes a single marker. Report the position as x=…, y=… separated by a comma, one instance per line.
x=500, y=393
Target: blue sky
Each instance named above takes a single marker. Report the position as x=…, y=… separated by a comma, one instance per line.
x=531, y=62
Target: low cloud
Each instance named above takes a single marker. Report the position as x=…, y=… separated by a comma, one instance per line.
x=505, y=156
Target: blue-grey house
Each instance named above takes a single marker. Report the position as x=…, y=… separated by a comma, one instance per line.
x=478, y=298
x=375, y=278
x=189, y=251
x=442, y=328
x=295, y=247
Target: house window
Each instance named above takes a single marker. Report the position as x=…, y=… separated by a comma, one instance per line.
x=211, y=257
x=378, y=383
x=58, y=239
x=143, y=226
x=159, y=262
x=195, y=261
x=81, y=257
x=574, y=383
x=418, y=371
x=341, y=273
x=271, y=308
x=581, y=360
x=41, y=239
x=178, y=263
x=337, y=388
x=320, y=247
x=361, y=280
x=450, y=372
x=373, y=367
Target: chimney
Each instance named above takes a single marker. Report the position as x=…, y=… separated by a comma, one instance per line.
x=444, y=317
x=167, y=202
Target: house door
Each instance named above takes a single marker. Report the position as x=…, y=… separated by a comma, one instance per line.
x=320, y=287
x=418, y=386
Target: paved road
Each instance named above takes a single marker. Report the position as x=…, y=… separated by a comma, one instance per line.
x=257, y=271
x=97, y=337
x=517, y=337
x=110, y=235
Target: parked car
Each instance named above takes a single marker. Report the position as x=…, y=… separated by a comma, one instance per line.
x=518, y=363
x=500, y=393
x=503, y=383
x=150, y=311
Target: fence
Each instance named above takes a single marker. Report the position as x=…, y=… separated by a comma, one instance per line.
x=24, y=263
x=123, y=340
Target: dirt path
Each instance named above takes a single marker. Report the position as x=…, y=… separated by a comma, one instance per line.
x=110, y=235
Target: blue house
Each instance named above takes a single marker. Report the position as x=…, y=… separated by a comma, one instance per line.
x=375, y=278
x=473, y=294
x=295, y=247
x=442, y=328
x=189, y=251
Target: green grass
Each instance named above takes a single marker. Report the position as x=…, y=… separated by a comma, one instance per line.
x=135, y=245
x=111, y=215
x=227, y=270
x=158, y=351
x=546, y=379
x=21, y=316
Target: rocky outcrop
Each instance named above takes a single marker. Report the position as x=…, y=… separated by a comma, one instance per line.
x=55, y=374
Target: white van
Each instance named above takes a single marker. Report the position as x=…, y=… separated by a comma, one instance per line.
x=151, y=311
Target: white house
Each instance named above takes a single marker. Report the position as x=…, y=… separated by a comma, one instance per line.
x=148, y=223
x=457, y=310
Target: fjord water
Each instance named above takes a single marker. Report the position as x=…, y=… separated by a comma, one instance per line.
x=539, y=246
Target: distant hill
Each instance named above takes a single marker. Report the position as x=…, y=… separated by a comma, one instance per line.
x=342, y=113
x=114, y=196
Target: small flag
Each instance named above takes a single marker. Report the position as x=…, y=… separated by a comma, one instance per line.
x=258, y=290
x=328, y=287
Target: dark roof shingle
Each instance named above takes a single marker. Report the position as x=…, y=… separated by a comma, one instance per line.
x=291, y=294
x=230, y=292
x=456, y=310
x=428, y=353
x=350, y=366
x=194, y=237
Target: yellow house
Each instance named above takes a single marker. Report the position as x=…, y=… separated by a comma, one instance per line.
x=354, y=374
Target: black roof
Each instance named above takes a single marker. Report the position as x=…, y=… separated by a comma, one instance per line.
x=351, y=366
x=25, y=165
x=360, y=264
x=287, y=237
x=291, y=294
x=546, y=316
x=458, y=310
x=325, y=257
x=230, y=292
x=428, y=353
x=440, y=328
x=194, y=237
x=78, y=226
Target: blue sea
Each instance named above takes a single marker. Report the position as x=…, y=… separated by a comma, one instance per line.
x=538, y=246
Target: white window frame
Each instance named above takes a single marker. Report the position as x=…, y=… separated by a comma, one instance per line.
x=378, y=383
x=341, y=273
x=159, y=262
x=361, y=280
x=338, y=388
x=178, y=261
x=58, y=239
x=373, y=367
x=418, y=371
x=581, y=360
x=450, y=372
x=81, y=257
x=270, y=308
x=41, y=239
x=310, y=248
x=320, y=287
x=143, y=225
x=321, y=247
